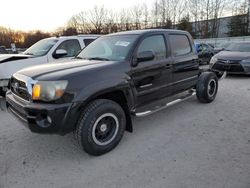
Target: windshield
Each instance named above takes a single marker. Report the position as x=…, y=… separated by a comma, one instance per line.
x=114, y=48
x=239, y=47
x=223, y=45
x=41, y=47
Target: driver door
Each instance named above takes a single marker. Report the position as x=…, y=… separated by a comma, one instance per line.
x=152, y=79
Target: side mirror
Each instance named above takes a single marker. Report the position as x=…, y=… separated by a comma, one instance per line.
x=60, y=53
x=145, y=56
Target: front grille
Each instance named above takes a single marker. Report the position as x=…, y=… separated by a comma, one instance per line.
x=230, y=66
x=229, y=62
x=19, y=88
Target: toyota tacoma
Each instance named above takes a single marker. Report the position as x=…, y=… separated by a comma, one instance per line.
x=133, y=73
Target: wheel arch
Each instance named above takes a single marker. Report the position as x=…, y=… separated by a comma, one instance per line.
x=121, y=96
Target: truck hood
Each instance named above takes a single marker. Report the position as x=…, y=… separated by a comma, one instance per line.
x=12, y=57
x=60, y=69
x=230, y=55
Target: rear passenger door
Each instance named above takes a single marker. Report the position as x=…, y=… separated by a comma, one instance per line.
x=185, y=66
x=152, y=78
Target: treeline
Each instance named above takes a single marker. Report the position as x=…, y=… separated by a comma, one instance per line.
x=26, y=39
x=200, y=18
x=20, y=38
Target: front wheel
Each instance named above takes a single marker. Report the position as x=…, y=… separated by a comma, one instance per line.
x=101, y=126
x=207, y=87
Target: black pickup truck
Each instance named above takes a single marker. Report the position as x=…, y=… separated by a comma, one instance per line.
x=118, y=76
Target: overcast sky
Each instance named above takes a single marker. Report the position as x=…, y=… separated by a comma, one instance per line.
x=51, y=14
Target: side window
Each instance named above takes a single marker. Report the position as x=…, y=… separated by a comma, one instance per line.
x=87, y=41
x=156, y=44
x=180, y=44
x=206, y=47
x=71, y=46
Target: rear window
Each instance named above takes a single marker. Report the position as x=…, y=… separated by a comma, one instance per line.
x=180, y=44
x=87, y=41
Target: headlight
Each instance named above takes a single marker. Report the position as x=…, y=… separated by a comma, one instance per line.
x=213, y=60
x=48, y=90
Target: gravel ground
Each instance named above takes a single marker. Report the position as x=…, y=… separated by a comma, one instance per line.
x=189, y=145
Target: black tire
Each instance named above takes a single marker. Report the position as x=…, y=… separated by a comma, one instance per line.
x=100, y=127
x=207, y=87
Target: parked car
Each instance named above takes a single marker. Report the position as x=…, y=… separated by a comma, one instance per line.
x=125, y=74
x=44, y=51
x=3, y=50
x=205, y=52
x=235, y=59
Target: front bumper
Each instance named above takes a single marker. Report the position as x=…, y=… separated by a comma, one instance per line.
x=41, y=117
x=231, y=68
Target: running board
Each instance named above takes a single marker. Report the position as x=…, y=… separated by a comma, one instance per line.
x=149, y=112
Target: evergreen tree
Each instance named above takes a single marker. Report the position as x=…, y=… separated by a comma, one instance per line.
x=185, y=24
x=237, y=26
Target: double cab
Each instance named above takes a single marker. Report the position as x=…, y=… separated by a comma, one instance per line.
x=117, y=76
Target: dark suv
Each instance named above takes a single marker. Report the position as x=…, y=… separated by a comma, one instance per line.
x=117, y=76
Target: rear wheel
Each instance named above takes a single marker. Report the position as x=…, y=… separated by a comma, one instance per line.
x=207, y=87
x=101, y=126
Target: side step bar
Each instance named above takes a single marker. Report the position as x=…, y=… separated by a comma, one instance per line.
x=149, y=112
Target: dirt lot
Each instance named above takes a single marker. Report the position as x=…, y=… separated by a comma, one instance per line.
x=188, y=145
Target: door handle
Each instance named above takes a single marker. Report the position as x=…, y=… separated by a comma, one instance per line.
x=146, y=85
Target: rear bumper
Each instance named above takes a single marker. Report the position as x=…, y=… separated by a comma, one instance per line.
x=43, y=118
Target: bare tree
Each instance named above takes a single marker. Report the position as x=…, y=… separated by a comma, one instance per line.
x=145, y=13
x=136, y=13
x=111, y=24
x=155, y=14
x=98, y=17
x=195, y=15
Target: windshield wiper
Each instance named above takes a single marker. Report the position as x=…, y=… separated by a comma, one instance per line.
x=99, y=58
x=28, y=54
x=77, y=57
